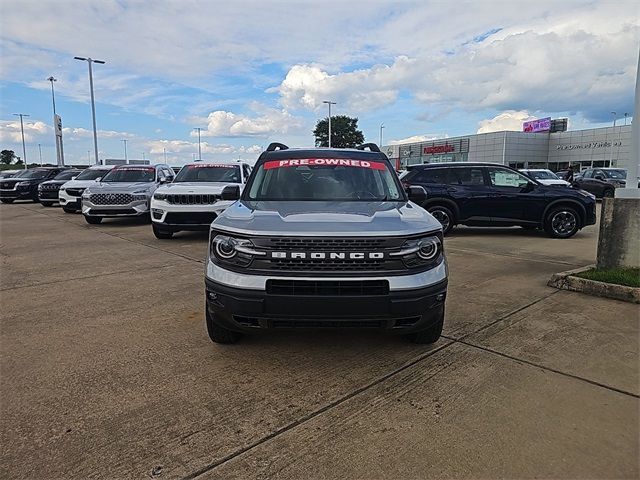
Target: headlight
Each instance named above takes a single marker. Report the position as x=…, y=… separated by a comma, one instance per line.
x=232, y=251
x=420, y=252
x=62, y=189
x=137, y=197
x=86, y=194
x=160, y=196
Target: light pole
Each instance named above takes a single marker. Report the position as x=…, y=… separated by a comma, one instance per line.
x=381, y=127
x=126, y=160
x=164, y=154
x=199, y=149
x=625, y=118
x=615, y=117
x=143, y=159
x=93, y=103
x=40, y=150
x=58, y=134
x=328, y=102
x=24, y=148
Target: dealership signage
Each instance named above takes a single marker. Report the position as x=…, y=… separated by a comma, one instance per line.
x=578, y=146
x=539, y=125
x=434, y=149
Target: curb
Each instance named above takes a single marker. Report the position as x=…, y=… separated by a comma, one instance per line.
x=567, y=281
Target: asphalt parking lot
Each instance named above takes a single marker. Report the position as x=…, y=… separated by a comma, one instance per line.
x=107, y=371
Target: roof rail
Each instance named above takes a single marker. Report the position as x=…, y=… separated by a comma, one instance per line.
x=371, y=146
x=276, y=146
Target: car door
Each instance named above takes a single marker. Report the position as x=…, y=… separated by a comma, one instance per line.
x=515, y=198
x=468, y=187
x=589, y=183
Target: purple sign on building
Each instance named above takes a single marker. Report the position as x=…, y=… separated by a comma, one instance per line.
x=539, y=125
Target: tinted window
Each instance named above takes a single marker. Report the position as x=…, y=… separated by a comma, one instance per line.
x=617, y=173
x=587, y=173
x=91, y=174
x=35, y=174
x=131, y=174
x=501, y=177
x=209, y=172
x=66, y=175
x=467, y=176
x=430, y=175
x=325, y=179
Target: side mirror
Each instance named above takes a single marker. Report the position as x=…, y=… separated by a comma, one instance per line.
x=231, y=192
x=417, y=194
x=599, y=177
x=73, y=178
x=162, y=180
x=98, y=179
x=529, y=187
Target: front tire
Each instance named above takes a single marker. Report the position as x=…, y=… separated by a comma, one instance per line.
x=562, y=222
x=444, y=215
x=46, y=204
x=93, y=220
x=161, y=233
x=430, y=335
x=219, y=334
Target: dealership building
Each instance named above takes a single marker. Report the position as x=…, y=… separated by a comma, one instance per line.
x=595, y=147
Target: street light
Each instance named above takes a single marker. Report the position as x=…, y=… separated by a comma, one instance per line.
x=24, y=148
x=625, y=118
x=615, y=117
x=58, y=135
x=40, y=150
x=93, y=103
x=328, y=102
x=164, y=154
x=381, y=127
x=53, y=95
x=199, y=149
x=126, y=160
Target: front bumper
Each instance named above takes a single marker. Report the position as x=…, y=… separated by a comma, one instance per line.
x=185, y=217
x=17, y=194
x=134, y=209
x=69, y=201
x=48, y=195
x=402, y=310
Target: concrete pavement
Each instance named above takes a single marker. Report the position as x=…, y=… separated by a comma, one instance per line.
x=107, y=372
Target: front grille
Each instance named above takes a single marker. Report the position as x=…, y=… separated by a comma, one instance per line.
x=329, y=266
x=112, y=211
x=50, y=187
x=48, y=195
x=8, y=185
x=328, y=323
x=75, y=192
x=339, y=288
x=111, y=198
x=192, y=199
x=190, y=218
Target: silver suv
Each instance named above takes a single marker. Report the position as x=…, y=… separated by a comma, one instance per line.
x=325, y=238
x=125, y=191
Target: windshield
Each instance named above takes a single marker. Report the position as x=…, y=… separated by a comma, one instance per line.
x=91, y=174
x=617, y=173
x=66, y=175
x=131, y=174
x=325, y=179
x=542, y=175
x=35, y=174
x=209, y=172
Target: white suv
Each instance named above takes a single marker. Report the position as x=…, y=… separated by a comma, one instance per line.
x=194, y=199
x=70, y=194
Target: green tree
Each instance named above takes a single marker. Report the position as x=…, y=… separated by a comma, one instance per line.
x=344, y=132
x=7, y=157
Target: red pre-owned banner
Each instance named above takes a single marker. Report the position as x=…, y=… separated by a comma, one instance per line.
x=317, y=162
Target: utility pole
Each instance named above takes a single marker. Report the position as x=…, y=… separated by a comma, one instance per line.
x=126, y=159
x=328, y=102
x=24, y=148
x=91, y=61
x=199, y=149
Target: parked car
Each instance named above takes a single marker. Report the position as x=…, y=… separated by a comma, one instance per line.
x=545, y=177
x=48, y=191
x=193, y=200
x=125, y=191
x=325, y=238
x=602, y=182
x=486, y=194
x=70, y=194
x=24, y=186
x=562, y=174
x=9, y=173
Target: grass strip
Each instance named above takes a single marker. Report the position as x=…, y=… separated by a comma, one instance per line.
x=618, y=276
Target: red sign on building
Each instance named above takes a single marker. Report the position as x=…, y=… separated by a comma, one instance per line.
x=438, y=149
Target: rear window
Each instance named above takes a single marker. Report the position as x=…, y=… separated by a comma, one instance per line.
x=325, y=179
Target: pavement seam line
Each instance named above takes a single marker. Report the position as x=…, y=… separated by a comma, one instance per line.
x=85, y=278
x=315, y=413
x=186, y=257
x=509, y=255
x=543, y=367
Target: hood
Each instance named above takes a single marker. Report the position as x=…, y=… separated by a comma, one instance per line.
x=551, y=181
x=119, y=187
x=326, y=219
x=214, y=188
x=80, y=183
x=55, y=182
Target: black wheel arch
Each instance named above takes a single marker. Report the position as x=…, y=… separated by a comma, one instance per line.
x=576, y=205
x=443, y=202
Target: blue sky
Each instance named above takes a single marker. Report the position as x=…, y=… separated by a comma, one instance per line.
x=249, y=73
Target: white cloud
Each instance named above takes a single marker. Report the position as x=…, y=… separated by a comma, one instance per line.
x=510, y=120
x=75, y=133
x=184, y=147
x=10, y=131
x=418, y=138
x=267, y=122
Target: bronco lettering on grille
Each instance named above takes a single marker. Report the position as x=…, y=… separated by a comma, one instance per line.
x=329, y=255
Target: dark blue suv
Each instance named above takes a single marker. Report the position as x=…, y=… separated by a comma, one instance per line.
x=493, y=195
